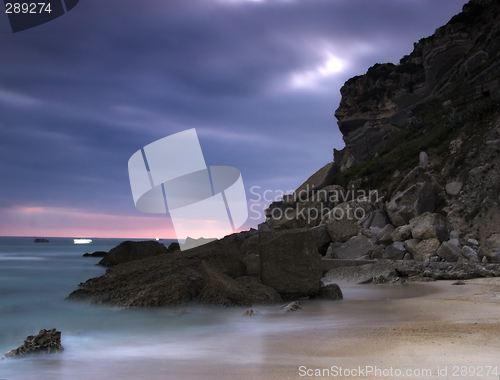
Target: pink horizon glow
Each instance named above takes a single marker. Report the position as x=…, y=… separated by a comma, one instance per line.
x=64, y=222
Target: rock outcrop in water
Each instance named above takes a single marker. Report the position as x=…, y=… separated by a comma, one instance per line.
x=212, y=274
x=47, y=341
x=134, y=250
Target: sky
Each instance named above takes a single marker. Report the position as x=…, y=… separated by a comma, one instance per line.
x=259, y=80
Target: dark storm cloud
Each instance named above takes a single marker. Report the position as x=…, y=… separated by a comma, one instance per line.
x=80, y=94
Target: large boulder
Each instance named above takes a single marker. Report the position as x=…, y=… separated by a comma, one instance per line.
x=429, y=226
x=449, y=252
x=331, y=292
x=322, y=178
x=385, y=234
x=396, y=251
x=470, y=254
x=415, y=195
x=357, y=247
x=425, y=249
x=362, y=273
x=491, y=249
x=376, y=219
x=132, y=250
x=47, y=341
x=161, y=280
x=402, y=233
x=290, y=263
x=414, y=201
x=411, y=245
x=341, y=232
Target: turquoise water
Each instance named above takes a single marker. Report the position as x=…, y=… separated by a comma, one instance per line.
x=160, y=343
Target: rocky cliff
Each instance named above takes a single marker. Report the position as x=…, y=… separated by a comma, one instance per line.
x=457, y=65
x=422, y=138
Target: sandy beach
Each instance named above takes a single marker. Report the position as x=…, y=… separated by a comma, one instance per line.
x=453, y=331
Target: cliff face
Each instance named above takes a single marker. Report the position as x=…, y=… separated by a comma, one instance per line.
x=458, y=64
x=424, y=136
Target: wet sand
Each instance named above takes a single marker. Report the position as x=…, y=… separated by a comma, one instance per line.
x=447, y=328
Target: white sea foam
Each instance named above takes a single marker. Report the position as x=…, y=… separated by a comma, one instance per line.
x=21, y=258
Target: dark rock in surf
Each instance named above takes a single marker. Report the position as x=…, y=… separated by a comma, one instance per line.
x=47, y=341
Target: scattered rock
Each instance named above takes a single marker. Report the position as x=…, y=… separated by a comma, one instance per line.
x=47, y=341
x=491, y=249
x=472, y=242
x=453, y=188
x=411, y=245
x=470, y=254
x=357, y=247
x=370, y=234
x=385, y=236
x=331, y=292
x=251, y=313
x=401, y=233
x=341, y=232
x=429, y=225
x=396, y=251
x=449, y=252
x=414, y=201
x=293, y=306
x=381, y=280
x=426, y=249
x=377, y=219
x=423, y=160
x=408, y=256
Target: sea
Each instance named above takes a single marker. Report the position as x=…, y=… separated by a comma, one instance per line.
x=103, y=342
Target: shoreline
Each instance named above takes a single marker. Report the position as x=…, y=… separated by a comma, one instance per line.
x=451, y=326
x=404, y=326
